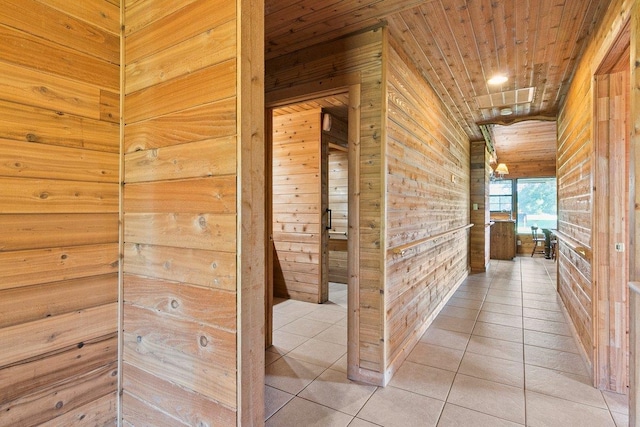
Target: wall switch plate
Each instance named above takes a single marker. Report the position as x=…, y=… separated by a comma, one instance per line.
x=475, y=206
x=519, y=242
x=619, y=247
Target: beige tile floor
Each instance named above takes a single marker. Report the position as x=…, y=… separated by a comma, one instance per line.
x=499, y=354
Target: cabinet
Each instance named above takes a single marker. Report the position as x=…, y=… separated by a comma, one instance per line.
x=503, y=240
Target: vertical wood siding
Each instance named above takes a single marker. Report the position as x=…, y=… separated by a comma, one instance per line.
x=428, y=180
x=180, y=216
x=59, y=189
x=297, y=207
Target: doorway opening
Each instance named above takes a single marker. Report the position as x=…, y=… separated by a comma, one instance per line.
x=312, y=152
x=613, y=203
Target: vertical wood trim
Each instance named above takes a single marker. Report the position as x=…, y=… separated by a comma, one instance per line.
x=268, y=216
x=634, y=221
x=635, y=140
x=600, y=221
x=250, y=208
x=121, y=222
x=353, y=236
x=323, y=167
x=384, y=206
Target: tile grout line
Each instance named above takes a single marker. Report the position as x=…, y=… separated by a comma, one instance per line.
x=524, y=363
x=464, y=352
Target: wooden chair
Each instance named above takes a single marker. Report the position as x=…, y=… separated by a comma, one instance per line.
x=554, y=248
x=537, y=249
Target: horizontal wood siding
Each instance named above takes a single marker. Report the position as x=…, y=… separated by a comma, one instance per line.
x=479, y=240
x=359, y=56
x=338, y=203
x=59, y=189
x=180, y=215
x=297, y=192
x=428, y=181
x=576, y=181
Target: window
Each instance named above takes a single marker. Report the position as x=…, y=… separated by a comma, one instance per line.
x=501, y=196
x=537, y=204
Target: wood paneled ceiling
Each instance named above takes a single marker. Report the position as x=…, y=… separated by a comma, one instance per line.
x=459, y=45
x=528, y=148
x=335, y=105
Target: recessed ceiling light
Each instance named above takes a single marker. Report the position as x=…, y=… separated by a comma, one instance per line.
x=506, y=111
x=497, y=79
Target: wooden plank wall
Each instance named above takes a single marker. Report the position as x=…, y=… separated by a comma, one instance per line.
x=180, y=213
x=427, y=186
x=575, y=174
x=297, y=206
x=59, y=190
x=479, y=241
x=355, y=59
x=338, y=200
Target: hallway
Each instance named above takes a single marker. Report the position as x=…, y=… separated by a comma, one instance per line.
x=499, y=354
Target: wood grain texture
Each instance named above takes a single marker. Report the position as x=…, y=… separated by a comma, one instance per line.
x=503, y=240
x=192, y=160
x=63, y=28
x=211, y=195
x=297, y=145
x=182, y=92
x=26, y=160
x=26, y=196
x=196, y=356
x=205, y=231
x=102, y=411
x=183, y=300
x=338, y=192
x=479, y=235
x=579, y=179
x=59, y=189
x=208, y=48
x=25, y=304
x=182, y=145
x=33, y=52
x=60, y=367
x=47, y=405
x=31, y=124
x=527, y=148
x=99, y=13
x=41, y=336
x=139, y=13
x=183, y=405
x=333, y=67
x=40, y=231
x=49, y=92
x=610, y=227
x=23, y=268
x=252, y=238
x=634, y=219
x=427, y=178
x=183, y=24
x=212, y=120
x=196, y=266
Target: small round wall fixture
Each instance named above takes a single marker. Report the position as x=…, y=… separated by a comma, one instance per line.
x=506, y=111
